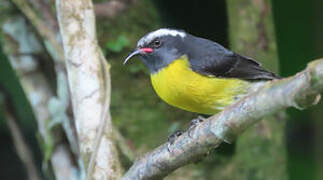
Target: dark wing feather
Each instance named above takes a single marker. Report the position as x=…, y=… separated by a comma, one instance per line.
x=210, y=58
x=237, y=66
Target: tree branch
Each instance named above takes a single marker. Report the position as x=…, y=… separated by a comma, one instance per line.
x=299, y=91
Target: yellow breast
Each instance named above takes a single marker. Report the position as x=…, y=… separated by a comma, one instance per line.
x=181, y=87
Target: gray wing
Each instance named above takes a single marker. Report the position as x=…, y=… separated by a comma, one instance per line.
x=210, y=58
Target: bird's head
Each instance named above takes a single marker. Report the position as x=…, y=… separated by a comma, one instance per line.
x=159, y=48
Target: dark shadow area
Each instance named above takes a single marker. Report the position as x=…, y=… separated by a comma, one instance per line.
x=207, y=18
x=297, y=26
x=10, y=164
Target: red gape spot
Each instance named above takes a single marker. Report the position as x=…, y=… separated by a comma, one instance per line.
x=147, y=50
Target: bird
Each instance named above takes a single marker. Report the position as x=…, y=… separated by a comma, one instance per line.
x=196, y=74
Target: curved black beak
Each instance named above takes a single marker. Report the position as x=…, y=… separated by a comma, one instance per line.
x=132, y=54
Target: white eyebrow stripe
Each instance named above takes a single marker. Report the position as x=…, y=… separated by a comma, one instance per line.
x=159, y=33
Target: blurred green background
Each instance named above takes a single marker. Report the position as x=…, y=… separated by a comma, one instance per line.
x=146, y=121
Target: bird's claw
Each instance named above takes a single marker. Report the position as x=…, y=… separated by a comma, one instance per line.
x=172, y=138
x=194, y=123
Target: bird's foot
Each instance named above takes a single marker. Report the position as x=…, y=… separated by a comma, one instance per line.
x=172, y=138
x=194, y=123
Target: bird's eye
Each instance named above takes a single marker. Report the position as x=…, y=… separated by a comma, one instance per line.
x=156, y=43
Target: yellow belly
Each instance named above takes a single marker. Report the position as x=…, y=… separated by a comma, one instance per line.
x=179, y=86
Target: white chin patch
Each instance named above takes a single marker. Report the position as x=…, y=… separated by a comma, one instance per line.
x=159, y=33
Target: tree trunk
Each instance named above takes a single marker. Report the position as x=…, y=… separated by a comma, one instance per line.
x=90, y=86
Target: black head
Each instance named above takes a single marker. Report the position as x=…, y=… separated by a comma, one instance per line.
x=159, y=48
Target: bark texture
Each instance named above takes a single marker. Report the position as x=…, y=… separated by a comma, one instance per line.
x=89, y=81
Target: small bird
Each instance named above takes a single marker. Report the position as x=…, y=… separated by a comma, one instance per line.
x=197, y=74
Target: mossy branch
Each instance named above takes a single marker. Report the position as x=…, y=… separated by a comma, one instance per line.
x=299, y=91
